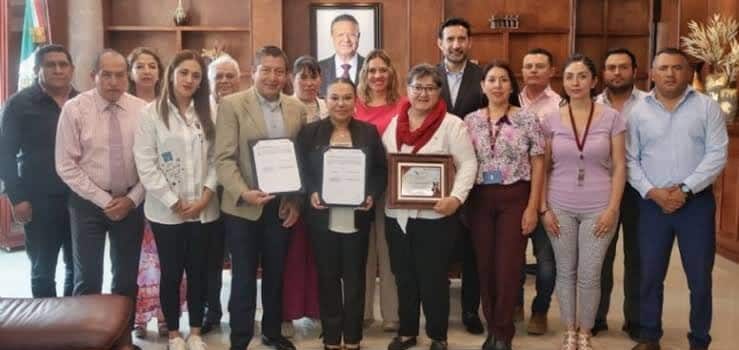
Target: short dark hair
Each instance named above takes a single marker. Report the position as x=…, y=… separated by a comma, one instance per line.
x=345, y=17
x=541, y=51
x=671, y=51
x=621, y=51
x=308, y=64
x=513, y=99
x=425, y=70
x=96, y=62
x=43, y=50
x=271, y=51
x=454, y=21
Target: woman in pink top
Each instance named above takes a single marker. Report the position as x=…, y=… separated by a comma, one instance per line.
x=585, y=181
x=502, y=207
x=378, y=96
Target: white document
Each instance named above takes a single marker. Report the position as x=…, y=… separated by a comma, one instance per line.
x=344, y=176
x=421, y=181
x=276, y=166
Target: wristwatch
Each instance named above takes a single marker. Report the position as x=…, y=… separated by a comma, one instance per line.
x=685, y=189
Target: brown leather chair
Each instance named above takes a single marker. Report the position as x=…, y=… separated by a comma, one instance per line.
x=91, y=322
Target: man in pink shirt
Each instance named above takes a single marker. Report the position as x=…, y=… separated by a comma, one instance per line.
x=538, y=97
x=94, y=157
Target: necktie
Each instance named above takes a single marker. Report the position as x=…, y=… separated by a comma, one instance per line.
x=115, y=139
x=345, y=67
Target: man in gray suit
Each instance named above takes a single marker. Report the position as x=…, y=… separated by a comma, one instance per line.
x=257, y=223
x=345, y=62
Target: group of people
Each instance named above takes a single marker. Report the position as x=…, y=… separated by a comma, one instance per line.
x=169, y=148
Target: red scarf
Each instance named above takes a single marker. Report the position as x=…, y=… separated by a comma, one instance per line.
x=419, y=137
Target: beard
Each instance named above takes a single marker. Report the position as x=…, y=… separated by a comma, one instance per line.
x=620, y=89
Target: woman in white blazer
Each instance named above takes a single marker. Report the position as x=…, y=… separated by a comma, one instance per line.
x=174, y=158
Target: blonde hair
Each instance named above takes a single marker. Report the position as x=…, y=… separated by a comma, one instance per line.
x=363, y=89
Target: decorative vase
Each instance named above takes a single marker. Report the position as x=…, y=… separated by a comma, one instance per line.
x=180, y=15
x=727, y=99
x=714, y=83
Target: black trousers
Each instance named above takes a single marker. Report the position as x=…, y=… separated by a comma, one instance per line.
x=341, y=258
x=181, y=250
x=49, y=231
x=420, y=261
x=470, y=279
x=250, y=242
x=630, y=221
x=214, y=275
x=89, y=229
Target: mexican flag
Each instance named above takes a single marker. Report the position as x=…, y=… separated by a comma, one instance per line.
x=35, y=29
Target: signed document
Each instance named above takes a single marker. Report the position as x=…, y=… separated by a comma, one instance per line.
x=276, y=166
x=418, y=181
x=344, y=177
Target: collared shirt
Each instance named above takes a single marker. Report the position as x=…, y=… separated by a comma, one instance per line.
x=27, y=132
x=454, y=81
x=272, y=111
x=83, y=146
x=687, y=145
x=174, y=163
x=353, y=62
x=450, y=138
x=635, y=96
x=546, y=103
x=518, y=137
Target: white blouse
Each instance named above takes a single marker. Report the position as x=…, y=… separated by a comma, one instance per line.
x=174, y=164
x=450, y=138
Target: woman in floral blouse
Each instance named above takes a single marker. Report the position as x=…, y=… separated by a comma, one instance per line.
x=503, y=205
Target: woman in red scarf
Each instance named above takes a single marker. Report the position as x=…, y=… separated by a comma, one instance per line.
x=419, y=240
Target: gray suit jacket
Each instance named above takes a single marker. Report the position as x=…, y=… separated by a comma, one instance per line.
x=328, y=71
x=240, y=120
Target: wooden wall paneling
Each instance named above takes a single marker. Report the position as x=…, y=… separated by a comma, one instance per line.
x=229, y=12
x=726, y=190
x=14, y=27
x=165, y=44
x=476, y=12
x=520, y=44
x=541, y=16
x=489, y=46
x=58, y=22
x=668, y=27
x=266, y=23
x=140, y=12
x=628, y=17
x=590, y=18
x=424, y=17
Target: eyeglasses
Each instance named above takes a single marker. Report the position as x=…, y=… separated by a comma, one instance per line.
x=418, y=89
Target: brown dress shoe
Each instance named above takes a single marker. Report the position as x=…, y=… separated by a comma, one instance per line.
x=537, y=324
x=647, y=346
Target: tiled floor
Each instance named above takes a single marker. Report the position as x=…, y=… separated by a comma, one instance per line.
x=14, y=269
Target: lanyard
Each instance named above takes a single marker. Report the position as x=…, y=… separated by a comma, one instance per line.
x=581, y=145
x=495, y=128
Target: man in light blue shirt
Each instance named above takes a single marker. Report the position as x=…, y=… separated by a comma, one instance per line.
x=677, y=147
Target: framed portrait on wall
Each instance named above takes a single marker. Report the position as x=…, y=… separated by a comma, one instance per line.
x=368, y=15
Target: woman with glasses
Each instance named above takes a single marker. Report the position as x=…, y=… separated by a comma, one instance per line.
x=419, y=240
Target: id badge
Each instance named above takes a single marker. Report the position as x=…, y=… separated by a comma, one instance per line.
x=167, y=156
x=492, y=177
x=581, y=172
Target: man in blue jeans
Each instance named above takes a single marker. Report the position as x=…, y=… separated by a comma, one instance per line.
x=677, y=147
x=537, y=96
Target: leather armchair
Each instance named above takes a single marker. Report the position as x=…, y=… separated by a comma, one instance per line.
x=91, y=322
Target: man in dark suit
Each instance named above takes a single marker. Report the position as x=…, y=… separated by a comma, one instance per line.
x=462, y=93
x=345, y=62
x=27, y=134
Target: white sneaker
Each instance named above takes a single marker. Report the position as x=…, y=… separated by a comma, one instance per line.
x=195, y=342
x=288, y=330
x=177, y=344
